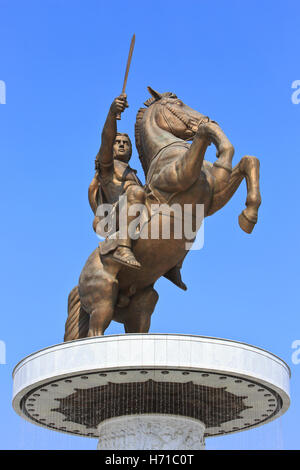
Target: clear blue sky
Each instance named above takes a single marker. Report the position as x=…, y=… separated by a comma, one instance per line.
x=63, y=63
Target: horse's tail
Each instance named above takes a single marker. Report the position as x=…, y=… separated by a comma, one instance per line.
x=77, y=324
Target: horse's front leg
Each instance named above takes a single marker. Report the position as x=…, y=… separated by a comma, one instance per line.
x=185, y=166
x=222, y=167
x=250, y=168
x=184, y=171
x=247, y=168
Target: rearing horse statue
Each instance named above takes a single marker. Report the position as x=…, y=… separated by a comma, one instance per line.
x=176, y=173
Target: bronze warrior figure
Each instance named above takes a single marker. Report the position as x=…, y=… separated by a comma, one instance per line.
x=113, y=178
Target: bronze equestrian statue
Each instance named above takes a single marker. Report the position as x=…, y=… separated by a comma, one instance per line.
x=171, y=139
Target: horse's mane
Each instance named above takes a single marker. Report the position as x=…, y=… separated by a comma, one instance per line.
x=137, y=128
x=138, y=142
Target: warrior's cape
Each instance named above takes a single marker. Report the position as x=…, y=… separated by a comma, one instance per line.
x=96, y=197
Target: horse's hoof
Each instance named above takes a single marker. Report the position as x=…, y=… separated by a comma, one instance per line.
x=94, y=332
x=246, y=224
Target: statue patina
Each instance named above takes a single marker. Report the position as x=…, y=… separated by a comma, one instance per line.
x=117, y=281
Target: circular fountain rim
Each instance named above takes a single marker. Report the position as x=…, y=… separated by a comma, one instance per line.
x=146, y=335
x=154, y=353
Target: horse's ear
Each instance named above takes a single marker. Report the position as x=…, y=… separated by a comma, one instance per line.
x=154, y=93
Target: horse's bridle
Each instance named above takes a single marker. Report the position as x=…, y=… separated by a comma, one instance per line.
x=186, y=122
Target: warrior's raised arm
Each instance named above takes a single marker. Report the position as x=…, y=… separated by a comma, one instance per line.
x=104, y=157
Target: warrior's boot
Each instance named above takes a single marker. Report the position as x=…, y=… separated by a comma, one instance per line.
x=119, y=250
x=124, y=255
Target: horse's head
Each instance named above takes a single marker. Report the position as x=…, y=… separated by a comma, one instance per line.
x=173, y=116
x=165, y=119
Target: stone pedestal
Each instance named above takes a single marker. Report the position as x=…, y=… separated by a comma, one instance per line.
x=150, y=432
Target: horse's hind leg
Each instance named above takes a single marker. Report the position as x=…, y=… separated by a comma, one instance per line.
x=103, y=306
x=98, y=290
x=137, y=316
x=247, y=168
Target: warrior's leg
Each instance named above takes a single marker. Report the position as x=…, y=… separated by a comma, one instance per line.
x=123, y=254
